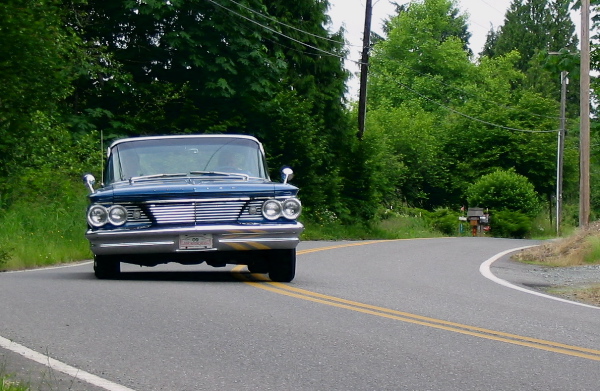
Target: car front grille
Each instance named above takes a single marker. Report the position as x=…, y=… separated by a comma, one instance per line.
x=205, y=212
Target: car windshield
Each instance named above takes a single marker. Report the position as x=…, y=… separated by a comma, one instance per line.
x=175, y=157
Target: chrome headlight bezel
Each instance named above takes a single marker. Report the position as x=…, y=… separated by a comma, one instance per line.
x=117, y=215
x=271, y=210
x=291, y=208
x=99, y=215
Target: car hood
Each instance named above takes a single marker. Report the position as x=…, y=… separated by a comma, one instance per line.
x=187, y=188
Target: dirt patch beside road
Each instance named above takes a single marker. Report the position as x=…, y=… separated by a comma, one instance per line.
x=567, y=267
x=576, y=283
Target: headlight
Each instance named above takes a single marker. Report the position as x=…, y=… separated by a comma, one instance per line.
x=291, y=208
x=97, y=216
x=117, y=215
x=271, y=209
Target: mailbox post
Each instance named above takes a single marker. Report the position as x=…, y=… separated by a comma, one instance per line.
x=476, y=217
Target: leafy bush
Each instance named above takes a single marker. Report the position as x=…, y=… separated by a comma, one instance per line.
x=45, y=160
x=505, y=190
x=510, y=224
x=445, y=221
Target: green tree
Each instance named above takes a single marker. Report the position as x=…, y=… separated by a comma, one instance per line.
x=448, y=120
x=176, y=66
x=595, y=93
x=424, y=51
x=265, y=68
x=530, y=26
x=413, y=145
x=41, y=56
x=37, y=64
x=414, y=74
x=535, y=28
x=515, y=129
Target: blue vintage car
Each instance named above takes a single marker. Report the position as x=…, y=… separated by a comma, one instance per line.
x=193, y=199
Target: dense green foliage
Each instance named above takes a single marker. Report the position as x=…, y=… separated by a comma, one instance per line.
x=265, y=68
x=510, y=224
x=37, y=65
x=447, y=120
x=505, y=190
x=75, y=74
x=531, y=26
x=543, y=34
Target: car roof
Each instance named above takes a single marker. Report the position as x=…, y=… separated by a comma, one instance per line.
x=184, y=136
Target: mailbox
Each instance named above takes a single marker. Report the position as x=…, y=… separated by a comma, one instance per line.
x=476, y=218
x=475, y=214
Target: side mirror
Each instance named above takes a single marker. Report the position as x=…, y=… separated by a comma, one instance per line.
x=286, y=174
x=89, y=181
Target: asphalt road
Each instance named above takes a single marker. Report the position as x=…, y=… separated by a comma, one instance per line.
x=392, y=315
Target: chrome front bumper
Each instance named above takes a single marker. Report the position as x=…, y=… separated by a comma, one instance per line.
x=166, y=240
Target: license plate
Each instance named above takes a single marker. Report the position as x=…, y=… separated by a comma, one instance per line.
x=195, y=242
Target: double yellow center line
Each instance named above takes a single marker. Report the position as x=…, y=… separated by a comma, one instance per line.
x=259, y=281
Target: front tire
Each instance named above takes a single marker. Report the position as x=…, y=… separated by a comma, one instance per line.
x=260, y=267
x=106, y=267
x=282, y=265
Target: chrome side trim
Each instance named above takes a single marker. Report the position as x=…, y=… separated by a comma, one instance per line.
x=258, y=240
x=214, y=229
x=111, y=245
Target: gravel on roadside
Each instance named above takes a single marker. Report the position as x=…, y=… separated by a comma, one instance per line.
x=566, y=282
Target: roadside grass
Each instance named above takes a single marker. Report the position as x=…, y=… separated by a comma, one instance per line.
x=44, y=378
x=543, y=228
x=582, y=247
x=38, y=234
x=398, y=227
x=8, y=384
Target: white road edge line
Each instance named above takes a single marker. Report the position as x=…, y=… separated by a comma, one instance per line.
x=61, y=367
x=55, y=364
x=484, y=269
x=75, y=264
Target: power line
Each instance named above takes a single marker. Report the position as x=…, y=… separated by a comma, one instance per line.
x=356, y=62
x=432, y=77
x=360, y=63
x=275, y=31
x=471, y=117
x=289, y=26
x=494, y=8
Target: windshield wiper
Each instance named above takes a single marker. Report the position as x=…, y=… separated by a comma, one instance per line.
x=220, y=173
x=154, y=176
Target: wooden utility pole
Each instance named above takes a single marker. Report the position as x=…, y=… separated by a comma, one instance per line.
x=561, y=149
x=364, y=69
x=584, y=136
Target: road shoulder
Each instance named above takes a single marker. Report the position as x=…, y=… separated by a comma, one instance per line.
x=563, y=282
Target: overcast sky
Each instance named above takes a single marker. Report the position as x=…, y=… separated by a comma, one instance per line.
x=351, y=13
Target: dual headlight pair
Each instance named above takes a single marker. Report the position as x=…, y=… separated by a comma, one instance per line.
x=289, y=209
x=99, y=215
